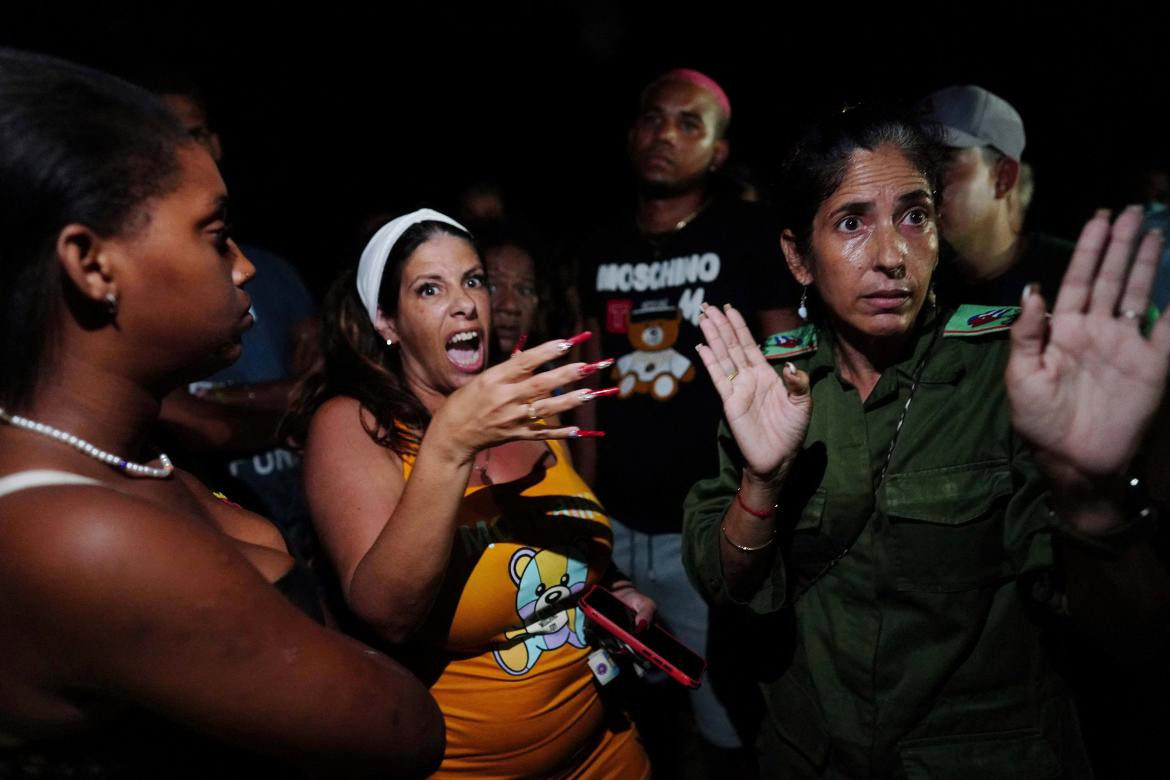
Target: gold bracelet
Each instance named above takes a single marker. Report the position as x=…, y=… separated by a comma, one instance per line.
x=742, y=548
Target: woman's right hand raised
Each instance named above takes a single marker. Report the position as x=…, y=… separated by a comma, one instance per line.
x=768, y=415
x=509, y=401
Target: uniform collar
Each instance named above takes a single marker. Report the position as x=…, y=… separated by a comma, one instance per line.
x=943, y=366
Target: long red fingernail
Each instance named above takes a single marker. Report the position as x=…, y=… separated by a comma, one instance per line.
x=568, y=344
x=520, y=343
x=640, y=626
x=589, y=395
x=580, y=434
x=593, y=368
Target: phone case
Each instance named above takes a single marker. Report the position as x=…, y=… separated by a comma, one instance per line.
x=637, y=645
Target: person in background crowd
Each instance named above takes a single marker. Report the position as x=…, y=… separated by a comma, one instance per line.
x=150, y=628
x=482, y=201
x=641, y=280
x=982, y=216
x=520, y=293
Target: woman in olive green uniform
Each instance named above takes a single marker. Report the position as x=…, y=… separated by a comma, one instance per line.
x=916, y=520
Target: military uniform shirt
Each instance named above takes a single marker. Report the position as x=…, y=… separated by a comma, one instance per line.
x=918, y=652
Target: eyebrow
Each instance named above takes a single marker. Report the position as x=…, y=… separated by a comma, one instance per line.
x=851, y=207
x=917, y=196
x=439, y=277
x=219, y=209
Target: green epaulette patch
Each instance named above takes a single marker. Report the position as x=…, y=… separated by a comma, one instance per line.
x=790, y=343
x=973, y=320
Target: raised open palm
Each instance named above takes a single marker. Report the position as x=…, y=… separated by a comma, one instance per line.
x=1084, y=384
x=768, y=416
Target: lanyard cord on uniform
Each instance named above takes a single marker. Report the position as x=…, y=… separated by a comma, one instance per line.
x=917, y=376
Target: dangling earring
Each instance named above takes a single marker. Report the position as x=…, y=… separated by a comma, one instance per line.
x=111, y=304
x=930, y=299
x=802, y=311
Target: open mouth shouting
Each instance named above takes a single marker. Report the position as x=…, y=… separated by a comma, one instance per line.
x=465, y=350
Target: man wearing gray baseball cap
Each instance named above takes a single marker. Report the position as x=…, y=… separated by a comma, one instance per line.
x=982, y=216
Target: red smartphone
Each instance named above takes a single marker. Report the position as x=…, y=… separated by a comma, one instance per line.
x=653, y=643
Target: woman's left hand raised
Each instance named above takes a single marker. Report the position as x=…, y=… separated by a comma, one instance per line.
x=1085, y=384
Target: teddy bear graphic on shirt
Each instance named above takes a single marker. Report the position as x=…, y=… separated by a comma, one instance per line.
x=545, y=580
x=654, y=367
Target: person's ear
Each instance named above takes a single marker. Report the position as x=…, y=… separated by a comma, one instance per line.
x=1007, y=173
x=215, y=147
x=386, y=327
x=720, y=154
x=799, y=266
x=86, y=260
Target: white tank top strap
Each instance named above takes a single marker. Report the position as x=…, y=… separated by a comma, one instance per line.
x=35, y=478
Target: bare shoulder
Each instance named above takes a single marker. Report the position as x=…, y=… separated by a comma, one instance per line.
x=352, y=483
x=105, y=592
x=83, y=545
x=342, y=413
x=100, y=574
x=341, y=428
x=231, y=518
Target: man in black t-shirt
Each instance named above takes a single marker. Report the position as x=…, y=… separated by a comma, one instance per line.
x=642, y=280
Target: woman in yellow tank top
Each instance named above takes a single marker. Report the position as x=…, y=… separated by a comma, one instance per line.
x=451, y=513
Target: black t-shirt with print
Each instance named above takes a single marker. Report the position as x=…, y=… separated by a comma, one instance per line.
x=645, y=293
x=1043, y=259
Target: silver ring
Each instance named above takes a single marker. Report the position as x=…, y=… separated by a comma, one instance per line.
x=1129, y=314
x=530, y=408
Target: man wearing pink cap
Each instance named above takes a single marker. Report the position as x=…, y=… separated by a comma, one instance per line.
x=642, y=278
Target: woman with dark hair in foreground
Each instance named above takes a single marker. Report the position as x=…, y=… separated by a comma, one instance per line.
x=445, y=500
x=915, y=520
x=143, y=636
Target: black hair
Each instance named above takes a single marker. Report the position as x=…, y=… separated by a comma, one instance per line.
x=818, y=163
x=166, y=80
x=355, y=360
x=76, y=146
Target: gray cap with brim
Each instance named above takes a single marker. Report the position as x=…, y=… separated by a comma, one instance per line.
x=972, y=116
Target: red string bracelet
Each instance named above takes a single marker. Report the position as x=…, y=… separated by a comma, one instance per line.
x=754, y=512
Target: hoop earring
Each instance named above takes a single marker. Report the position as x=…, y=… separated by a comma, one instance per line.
x=802, y=311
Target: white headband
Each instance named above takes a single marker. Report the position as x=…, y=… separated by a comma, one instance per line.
x=373, y=262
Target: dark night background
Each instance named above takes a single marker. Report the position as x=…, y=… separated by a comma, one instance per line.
x=333, y=112
x=329, y=113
